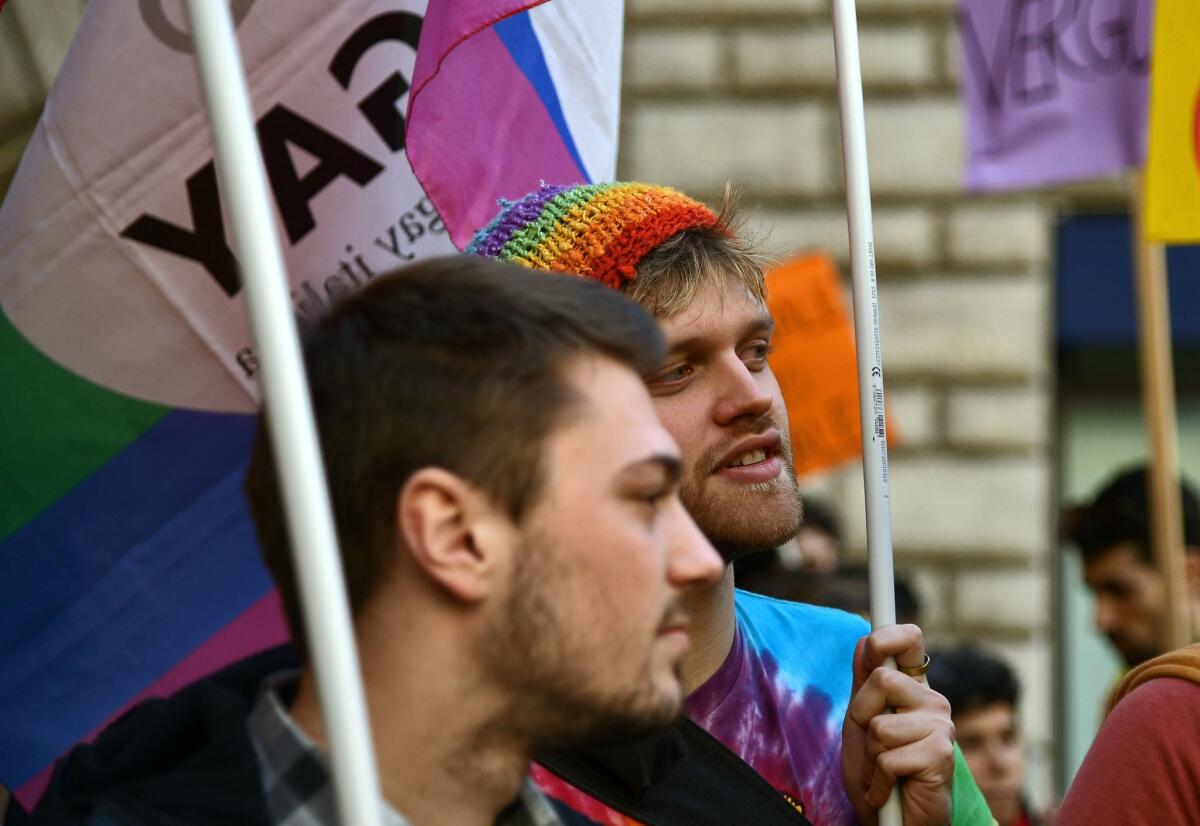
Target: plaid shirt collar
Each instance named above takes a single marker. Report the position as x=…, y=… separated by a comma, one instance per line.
x=295, y=775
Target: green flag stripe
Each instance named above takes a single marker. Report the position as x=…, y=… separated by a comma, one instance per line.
x=56, y=428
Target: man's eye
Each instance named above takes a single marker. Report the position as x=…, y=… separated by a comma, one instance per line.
x=654, y=499
x=970, y=743
x=674, y=374
x=657, y=498
x=758, y=352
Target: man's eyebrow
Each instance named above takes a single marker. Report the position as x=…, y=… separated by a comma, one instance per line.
x=668, y=463
x=761, y=324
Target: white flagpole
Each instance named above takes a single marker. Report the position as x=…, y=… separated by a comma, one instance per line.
x=866, y=334
x=293, y=429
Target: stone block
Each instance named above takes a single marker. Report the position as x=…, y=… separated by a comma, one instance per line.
x=932, y=587
x=890, y=56
x=869, y=7
x=904, y=236
x=902, y=55
x=915, y=146
x=786, y=232
x=770, y=148
x=998, y=417
x=913, y=415
x=1033, y=662
x=951, y=55
x=737, y=9
x=960, y=507
x=1013, y=598
x=671, y=58
x=784, y=56
x=988, y=234
x=965, y=328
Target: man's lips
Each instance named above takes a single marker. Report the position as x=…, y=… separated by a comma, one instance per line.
x=764, y=467
x=675, y=630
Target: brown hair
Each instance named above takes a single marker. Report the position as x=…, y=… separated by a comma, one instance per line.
x=669, y=277
x=454, y=362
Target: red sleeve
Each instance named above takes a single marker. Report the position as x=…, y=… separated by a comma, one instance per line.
x=1144, y=767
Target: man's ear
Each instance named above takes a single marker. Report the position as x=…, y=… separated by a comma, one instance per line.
x=448, y=527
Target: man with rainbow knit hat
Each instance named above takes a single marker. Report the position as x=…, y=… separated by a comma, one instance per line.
x=796, y=691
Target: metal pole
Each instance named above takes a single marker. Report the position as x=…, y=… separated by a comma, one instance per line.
x=866, y=334
x=293, y=430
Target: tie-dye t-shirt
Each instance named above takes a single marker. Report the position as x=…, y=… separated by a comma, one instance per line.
x=778, y=701
x=780, y=697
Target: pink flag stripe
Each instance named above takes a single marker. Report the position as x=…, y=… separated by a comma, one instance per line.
x=447, y=26
x=260, y=626
x=477, y=128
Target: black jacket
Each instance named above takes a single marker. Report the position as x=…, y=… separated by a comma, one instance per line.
x=186, y=759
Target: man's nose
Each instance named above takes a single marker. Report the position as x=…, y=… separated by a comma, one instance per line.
x=741, y=392
x=1105, y=616
x=692, y=561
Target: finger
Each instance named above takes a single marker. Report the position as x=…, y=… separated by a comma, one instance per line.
x=886, y=689
x=861, y=672
x=893, y=731
x=933, y=756
x=904, y=642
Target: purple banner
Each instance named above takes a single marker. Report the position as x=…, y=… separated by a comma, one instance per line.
x=1055, y=90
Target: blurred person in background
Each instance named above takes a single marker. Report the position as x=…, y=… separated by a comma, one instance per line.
x=811, y=569
x=984, y=703
x=1113, y=535
x=817, y=548
x=847, y=589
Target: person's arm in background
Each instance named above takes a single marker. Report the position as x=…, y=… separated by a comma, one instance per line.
x=1144, y=766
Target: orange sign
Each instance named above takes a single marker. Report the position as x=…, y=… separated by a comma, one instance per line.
x=815, y=363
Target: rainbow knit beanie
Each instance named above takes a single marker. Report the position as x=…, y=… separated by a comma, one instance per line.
x=599, y=231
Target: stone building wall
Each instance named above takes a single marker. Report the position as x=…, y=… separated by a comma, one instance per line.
x=744, y=90
x=33, y=41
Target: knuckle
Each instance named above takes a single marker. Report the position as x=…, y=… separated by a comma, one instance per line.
x=884, y=766
x=939, y=704
x=877, y=727
x=892, y=679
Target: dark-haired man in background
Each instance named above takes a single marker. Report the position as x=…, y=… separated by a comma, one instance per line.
x=519, y=566
x=1113, y=535
x=984, y=702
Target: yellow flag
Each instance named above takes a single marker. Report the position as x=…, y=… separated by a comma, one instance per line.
x=1173, y=163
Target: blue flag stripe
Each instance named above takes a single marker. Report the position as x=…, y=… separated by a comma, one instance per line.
x=517, y=35
x=120, y=580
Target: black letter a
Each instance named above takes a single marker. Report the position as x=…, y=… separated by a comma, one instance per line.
x=281, y=126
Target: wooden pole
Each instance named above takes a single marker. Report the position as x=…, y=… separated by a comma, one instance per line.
x=1158, y=404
